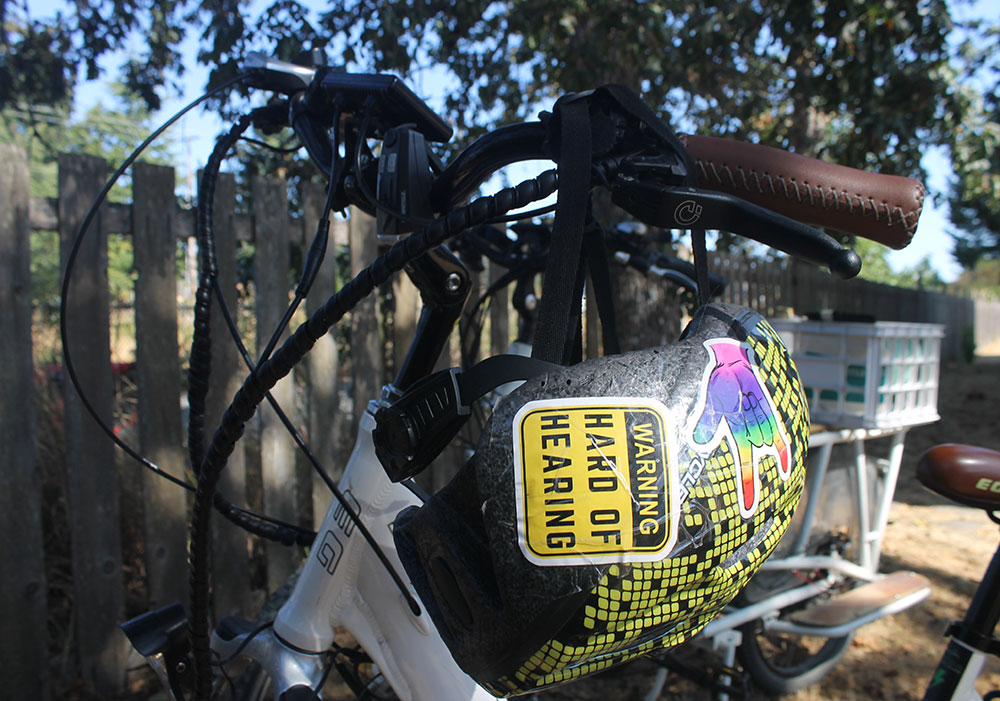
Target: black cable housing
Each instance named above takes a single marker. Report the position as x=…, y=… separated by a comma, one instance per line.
x=200, y=367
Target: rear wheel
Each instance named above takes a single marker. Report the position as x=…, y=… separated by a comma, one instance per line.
x=783, y=663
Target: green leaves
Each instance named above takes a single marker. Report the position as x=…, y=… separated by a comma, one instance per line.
x=859, y=82
x=34, y=66
x=110, y=132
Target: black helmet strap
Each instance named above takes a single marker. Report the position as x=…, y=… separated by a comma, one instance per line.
x=574, y=138
x=562, y=288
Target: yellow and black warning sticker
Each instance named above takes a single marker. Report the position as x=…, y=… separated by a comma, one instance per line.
x=595, y=481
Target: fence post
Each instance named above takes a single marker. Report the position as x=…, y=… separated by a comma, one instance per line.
x=404, y=317
x=366, y=350
x=23, y=653
x=324, y=383
x=272, y=262
x=158, y=375
x=231, y=594
x=91, y=475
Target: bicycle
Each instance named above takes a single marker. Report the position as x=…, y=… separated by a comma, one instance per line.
x=650, y=174
x=966, y=475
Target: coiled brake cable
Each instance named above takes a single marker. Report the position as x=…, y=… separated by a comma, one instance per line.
x=200, y=364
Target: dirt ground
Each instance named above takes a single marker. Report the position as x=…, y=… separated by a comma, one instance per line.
x=892, y=658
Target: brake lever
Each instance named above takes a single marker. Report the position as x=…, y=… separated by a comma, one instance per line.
x=675, y=207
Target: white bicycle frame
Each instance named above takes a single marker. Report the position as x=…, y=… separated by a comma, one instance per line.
x=870, y=533
x=343, y=585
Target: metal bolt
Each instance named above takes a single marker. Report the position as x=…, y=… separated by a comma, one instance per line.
x=180, y=668
x=453, y=282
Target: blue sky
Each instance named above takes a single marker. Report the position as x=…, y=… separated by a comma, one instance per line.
x=195, y=134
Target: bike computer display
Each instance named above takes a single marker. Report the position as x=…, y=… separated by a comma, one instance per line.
x=395, y=103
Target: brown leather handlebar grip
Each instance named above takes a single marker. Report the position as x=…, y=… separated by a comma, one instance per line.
x=883, y=208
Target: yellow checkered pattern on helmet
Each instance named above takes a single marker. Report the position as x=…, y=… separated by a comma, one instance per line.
x=641, y=608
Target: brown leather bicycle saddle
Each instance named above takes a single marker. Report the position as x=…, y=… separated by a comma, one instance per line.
x=965, y=474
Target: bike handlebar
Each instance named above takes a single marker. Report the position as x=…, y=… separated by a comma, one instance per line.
x=486, y=155
x=879, y=207
x=883, y=208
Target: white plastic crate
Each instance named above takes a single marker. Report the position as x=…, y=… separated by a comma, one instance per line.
x=857, y=375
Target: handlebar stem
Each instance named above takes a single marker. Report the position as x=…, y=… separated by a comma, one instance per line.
x=444, y=284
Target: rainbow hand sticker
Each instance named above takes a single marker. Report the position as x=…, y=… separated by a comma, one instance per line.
x=735, y=405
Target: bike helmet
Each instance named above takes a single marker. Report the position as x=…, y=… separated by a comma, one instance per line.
x=613, y=508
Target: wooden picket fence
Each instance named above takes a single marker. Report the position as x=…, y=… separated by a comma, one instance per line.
x=104, y=517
